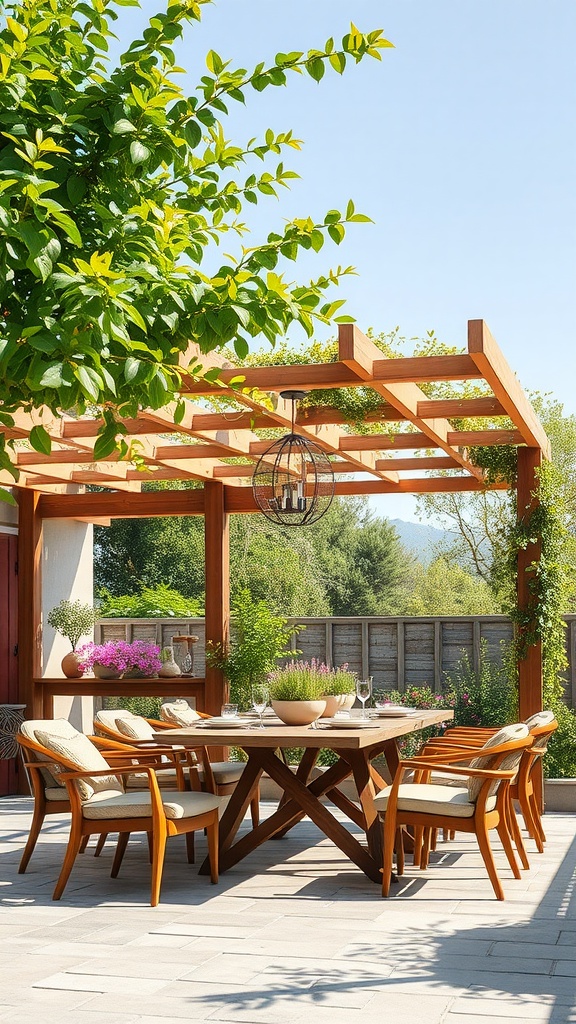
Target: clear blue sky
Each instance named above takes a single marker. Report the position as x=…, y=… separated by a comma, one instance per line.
x=460, y=145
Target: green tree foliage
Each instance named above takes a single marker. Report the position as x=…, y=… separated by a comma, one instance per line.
x=160, y=602
x=350, y=564
x=446, y=588
x=113, y=184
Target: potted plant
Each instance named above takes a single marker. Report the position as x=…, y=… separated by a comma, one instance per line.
x=339, y=689
x=259, y=638
x=296, y=692
x=117, y=658
x=73, y=620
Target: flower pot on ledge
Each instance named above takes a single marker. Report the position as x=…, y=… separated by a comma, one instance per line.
x=105, y=671
x=70, y=665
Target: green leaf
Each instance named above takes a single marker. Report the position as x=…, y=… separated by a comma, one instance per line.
x=105, y=444
x=52, y=377
x=316, y=69
x=89, y=380
x=139, y=153
x=123, y=126
x=7, y=497
x=76, y=187
x=131, y=368
x=241, y=348
x=40, y=440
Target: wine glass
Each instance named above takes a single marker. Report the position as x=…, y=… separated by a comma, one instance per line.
x=363, y=692
x=260, y=698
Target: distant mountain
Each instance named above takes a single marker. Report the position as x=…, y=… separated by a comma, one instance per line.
x=421, y=539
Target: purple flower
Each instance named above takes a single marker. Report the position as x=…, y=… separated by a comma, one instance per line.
x=121, y=656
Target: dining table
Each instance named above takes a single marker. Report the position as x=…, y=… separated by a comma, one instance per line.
x=355, y=743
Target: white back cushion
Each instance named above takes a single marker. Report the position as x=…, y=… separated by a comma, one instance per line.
x=539, y=719
x=179, y=712
x=63, y=740
x=134, y=727
x=512, y=760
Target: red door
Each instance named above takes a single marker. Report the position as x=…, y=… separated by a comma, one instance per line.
x=8, y=645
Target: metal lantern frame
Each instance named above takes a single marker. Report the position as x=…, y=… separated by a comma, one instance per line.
x=293, y=481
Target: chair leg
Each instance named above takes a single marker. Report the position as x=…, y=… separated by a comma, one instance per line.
x=502, y=830
x=84, y=843
x=255, y=808
x=119, y=855
x=399, y=851
x=514, y=830
x=37, y=819
x=418, y=837
x=74, y=842
x=190, y=847
x=531, y=821
x=425, y=855
x=537, y=817
x=388, y=853
x=212, y=832
x=159, y=836
x=487, y=857
x=100, y=844
x=433, y=838
x=150, y=846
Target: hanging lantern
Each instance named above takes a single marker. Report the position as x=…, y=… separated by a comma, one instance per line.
x=293, y=482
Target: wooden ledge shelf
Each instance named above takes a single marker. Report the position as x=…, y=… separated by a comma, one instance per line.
x=86, y=686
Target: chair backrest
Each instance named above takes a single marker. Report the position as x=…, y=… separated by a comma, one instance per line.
x=69, y=750
x=179, y=712
x=123, y=722
x=506, y=762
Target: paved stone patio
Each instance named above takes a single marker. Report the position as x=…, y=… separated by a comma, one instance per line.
x=293, y=935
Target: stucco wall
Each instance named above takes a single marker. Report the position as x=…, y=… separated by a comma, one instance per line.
x=66, y=574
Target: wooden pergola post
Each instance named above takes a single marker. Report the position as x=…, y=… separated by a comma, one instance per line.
x=29, y=600
x=530, y=667
x=217, y=580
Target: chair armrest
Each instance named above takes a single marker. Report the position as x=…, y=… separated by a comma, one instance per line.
x=486, y=773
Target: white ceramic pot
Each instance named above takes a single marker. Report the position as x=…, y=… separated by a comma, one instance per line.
x=340, y=702
x=298, y=712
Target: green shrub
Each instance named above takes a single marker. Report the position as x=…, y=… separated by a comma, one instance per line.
x=560, y=761
x=487, y=696
x=159, y=602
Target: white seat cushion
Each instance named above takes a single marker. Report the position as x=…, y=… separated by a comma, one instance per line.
x=56, y=793
x=427, y=798
x=178, y=712
x=138, y=805
x=226, y=771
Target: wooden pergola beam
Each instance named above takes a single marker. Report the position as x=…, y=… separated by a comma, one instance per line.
x=493, y=366
x=422, y=462
x=122, y=506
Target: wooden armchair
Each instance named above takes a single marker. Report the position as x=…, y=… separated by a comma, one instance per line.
x=477, y=807
x=100, y=804
x=542, y=726
x=50, y=794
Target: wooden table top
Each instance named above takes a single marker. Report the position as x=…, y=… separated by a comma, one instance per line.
x=276, y=734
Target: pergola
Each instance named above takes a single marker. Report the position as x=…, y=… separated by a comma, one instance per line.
x=201, y=446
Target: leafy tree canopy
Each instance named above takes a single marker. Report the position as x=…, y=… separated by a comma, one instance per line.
x=113, y=184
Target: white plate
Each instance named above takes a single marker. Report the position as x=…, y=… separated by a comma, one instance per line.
x=394, y=712
x=348, y=723
x=221, y=723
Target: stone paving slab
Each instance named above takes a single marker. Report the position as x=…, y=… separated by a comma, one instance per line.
x=294, y=935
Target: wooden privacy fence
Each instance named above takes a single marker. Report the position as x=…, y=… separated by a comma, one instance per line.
x=397, y=652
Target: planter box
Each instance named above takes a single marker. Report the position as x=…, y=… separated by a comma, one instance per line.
x=560, y=795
